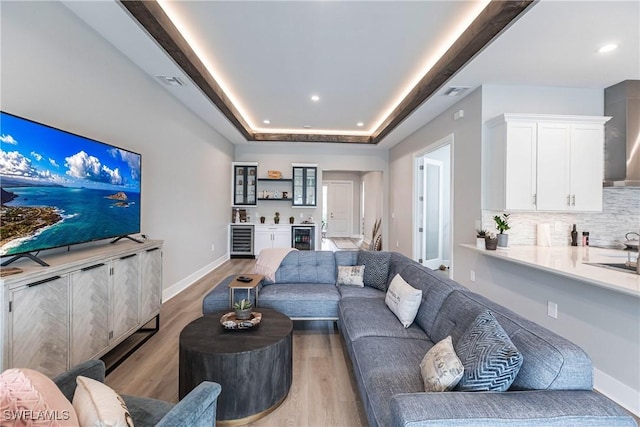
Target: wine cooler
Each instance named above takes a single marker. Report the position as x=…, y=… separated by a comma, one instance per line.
x=303, y=237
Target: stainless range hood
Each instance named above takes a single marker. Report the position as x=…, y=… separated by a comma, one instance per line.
x=622, y=135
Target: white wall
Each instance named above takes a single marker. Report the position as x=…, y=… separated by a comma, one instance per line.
x=57, y=71
x=328, y=157
x=373, y=207
x=606, y=324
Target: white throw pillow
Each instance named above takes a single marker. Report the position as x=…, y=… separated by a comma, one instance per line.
x=404, y=300
x=352, y=275
x=97, y=405
x=441, y=368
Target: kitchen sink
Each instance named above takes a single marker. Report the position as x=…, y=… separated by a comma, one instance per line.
x=619, y=266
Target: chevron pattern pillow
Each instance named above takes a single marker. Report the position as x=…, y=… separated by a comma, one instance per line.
x=491, y=361
x=376, y=268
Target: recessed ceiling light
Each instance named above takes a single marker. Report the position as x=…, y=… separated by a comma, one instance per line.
x=607, y=48
x=307, y=126
x=315, y=98
x=359, y=124
x=266, y=122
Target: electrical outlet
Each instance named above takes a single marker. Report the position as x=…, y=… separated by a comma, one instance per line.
x=397, y=243
x=552, y=309
x=213, y=247
x=558, y=227
x=472, y=275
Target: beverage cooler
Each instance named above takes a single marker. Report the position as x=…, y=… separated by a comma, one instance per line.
x=303, y=237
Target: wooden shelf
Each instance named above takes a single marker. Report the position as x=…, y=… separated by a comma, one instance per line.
x=276, y=179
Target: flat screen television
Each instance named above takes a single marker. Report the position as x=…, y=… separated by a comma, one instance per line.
x=61, y=189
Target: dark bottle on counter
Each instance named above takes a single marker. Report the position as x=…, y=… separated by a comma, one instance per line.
x=585, y=238
x=574, y=236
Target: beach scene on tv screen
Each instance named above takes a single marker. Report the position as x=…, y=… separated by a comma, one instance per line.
x=60, y=189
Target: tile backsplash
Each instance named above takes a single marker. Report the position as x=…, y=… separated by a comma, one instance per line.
x=620, y=215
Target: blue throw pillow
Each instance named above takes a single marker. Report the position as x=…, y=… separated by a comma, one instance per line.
x=491, y=361
x=376, y=268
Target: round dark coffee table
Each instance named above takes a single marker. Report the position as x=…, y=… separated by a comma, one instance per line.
x=253, y=366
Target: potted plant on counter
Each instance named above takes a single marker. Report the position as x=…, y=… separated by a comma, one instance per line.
x=480, y=236
x=243, y=309
x=502, y=225
x=276, y=219
x=292, y=219
x=490, y=241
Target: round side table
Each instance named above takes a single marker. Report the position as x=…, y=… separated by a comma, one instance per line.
x=253, y=366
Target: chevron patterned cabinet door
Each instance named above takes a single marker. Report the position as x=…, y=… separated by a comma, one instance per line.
x=125, y=288
x=89, y=313
x=151, y=283
x=40, y=326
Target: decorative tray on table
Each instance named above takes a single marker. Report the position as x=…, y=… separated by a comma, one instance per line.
x=229, y=321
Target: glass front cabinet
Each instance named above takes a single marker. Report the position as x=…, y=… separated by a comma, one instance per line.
x=244, y=184
x=305, y=178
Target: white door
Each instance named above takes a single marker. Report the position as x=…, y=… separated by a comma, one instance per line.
x=431, y=245
x=339, y=208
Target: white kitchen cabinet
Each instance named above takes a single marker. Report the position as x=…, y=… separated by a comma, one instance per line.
x=82, y=306
x=271, y=236
x=543, y=163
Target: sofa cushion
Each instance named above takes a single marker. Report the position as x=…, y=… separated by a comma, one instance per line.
x=24, y=389
x=302, y=299
x=403, y=300
x=549, y=361
x=370, y=317
x=146, y=412
x=376, y=268
x=441, y=368
x=97, y=404
x=346, y=257
x=491, y=361
x=388, y=366
x=435, y=290
x=350, y=275
x=307, y=267
x=357, y=292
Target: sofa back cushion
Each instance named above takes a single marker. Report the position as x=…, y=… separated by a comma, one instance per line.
x=307, y=267
x=346, y=258
x=435, y=290
x=550, y=362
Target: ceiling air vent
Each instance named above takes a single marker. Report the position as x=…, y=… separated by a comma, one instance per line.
x=456, y=90
x=170, y=80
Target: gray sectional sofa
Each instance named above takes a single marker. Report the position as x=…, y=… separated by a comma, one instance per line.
x=552, y=388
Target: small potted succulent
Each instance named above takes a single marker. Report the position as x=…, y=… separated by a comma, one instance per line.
x=480, y=236
x=276, y=219
x=243, y=309
x=292, y=219
x=490, y=241
x=262, y=220
x=502, y=225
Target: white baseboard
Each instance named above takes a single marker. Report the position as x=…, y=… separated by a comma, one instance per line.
x=183, y=284
x=620, y=393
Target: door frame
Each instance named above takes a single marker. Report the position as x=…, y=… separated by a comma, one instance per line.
x=447, y=140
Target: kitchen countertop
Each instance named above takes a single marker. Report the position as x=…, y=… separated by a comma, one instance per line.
x=271, y=224
x=569, y=261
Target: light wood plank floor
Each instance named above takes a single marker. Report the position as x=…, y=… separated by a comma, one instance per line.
x=323, y=392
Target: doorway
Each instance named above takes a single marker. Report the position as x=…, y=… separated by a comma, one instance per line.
x=432, y=205
x=339, y=206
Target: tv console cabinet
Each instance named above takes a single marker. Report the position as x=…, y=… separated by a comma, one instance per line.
x=87, y=302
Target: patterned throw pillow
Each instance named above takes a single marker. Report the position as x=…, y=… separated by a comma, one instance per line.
x=351, y=275
x=491, y=361
x=30, y=398
x=403, y=300
x=441, y=369
x=98, y=405
x=376, y=268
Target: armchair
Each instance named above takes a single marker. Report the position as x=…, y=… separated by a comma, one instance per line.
x=197, y=409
